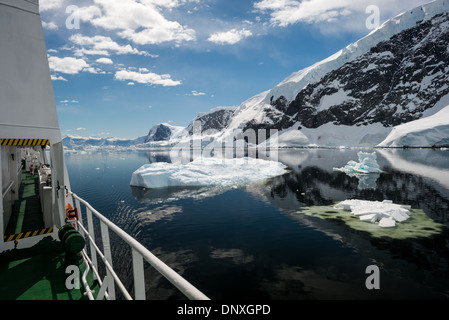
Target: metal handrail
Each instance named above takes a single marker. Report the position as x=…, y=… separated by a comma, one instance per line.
x=139, y=251
x=5, y=192
x=107, y=264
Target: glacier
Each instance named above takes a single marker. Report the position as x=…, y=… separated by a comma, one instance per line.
x=206, y=172
x=431, y=131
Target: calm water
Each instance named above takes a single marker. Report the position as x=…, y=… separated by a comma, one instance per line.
x=257, y=242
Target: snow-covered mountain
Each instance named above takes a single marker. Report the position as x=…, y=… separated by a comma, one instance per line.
x=355, y=97
x=390, y=88
x=203, y=124
x=163, y=132
x=161, y=135
x=75, y=142
x=215, y=120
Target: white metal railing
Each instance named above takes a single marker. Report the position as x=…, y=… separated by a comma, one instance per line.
x=139, y=254
x=5, y=192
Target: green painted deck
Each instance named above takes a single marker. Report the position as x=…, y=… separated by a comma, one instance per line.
x=39, y=272
x=26, y=213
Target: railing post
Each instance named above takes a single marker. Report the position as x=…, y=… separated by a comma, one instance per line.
x=80, y=216
x=139, y=254
x=91, y=230
x=108, y=256
x=139, y=278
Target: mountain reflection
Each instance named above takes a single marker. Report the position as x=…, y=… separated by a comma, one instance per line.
x=312, y=182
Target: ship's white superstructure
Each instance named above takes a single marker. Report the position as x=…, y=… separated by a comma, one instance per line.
x=28, y=118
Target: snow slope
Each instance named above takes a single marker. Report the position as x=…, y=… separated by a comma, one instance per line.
x=432, y=131
x=290, y=87
x=262, y=111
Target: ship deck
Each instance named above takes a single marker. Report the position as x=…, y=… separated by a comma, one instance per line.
x=39, y=272
x=26, y=212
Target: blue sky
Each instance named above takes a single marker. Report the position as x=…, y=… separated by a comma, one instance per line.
x=121, y=66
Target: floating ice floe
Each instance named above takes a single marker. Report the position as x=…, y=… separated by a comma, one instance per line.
x=385, y=213
x=367, y=170
x=367, y=164
x=206, y=172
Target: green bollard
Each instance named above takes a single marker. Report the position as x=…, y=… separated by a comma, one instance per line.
x=73, y=243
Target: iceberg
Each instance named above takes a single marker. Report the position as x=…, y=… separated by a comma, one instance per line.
x=206, y=172
x=366, y=170
x=385, y=213
x=367, y=164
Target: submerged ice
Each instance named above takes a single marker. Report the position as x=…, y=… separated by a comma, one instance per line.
x=206, y=172
x=385, y=213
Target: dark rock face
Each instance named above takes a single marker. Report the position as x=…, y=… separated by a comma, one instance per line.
x=160, y=132
x=216, y=120
x=393, y=83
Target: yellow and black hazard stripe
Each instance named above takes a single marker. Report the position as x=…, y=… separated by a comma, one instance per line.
x=25, y=142
x=27, y=234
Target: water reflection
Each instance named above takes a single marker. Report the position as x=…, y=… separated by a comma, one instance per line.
x=407, y=179
x=172, y=194
x=419, y=178
x=253, y=241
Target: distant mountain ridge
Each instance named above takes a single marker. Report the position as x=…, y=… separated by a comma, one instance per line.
x=163, y=134
x=80, y=142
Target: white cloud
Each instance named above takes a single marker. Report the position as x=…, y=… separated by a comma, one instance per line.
x=287, y=12
x=80, y=129
x=195, y=93
x=70, y=65
x=139, y=21
x=146, y=78
x=49, y=25
x=348, y=14
x=45, y=5
x=104, y=61
x=158, y=35
x=230, y=37
x=69, y=101
x=81, y=52
x=101, y=45
x=67, y=65
x=56, y=78
x=88, y=13
x=94, y=70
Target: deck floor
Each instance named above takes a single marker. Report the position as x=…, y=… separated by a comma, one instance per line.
x=39, y=272
x=26, y=213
